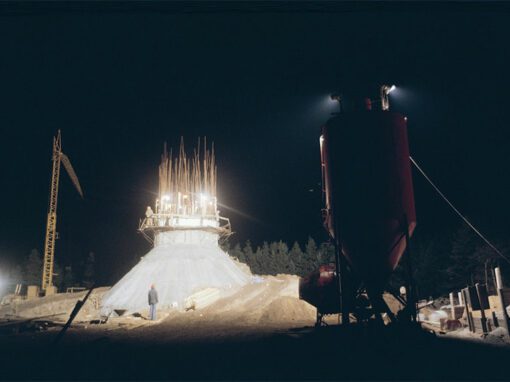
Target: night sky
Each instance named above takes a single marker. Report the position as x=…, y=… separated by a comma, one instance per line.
x=119, y=81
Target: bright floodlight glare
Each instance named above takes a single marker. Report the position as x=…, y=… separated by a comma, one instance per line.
x=385, y=102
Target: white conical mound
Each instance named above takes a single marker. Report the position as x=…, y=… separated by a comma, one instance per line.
x=180, y=264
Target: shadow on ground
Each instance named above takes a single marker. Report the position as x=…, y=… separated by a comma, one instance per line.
x=248, y=353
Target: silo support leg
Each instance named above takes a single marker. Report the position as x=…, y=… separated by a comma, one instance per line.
x=379, y=305
x=410, y=292
x=344, y=290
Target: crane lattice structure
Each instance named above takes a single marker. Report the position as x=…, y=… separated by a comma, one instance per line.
x=51, y=223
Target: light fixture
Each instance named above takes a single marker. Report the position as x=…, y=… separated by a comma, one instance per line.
x=385, y=102
x=337, y=97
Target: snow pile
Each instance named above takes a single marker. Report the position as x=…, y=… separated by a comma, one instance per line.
x=182, y=263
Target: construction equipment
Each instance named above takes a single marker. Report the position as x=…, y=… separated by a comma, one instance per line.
x=369, y=206
x=51, y=223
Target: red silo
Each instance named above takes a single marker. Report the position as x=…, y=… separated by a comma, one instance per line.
x=368, y=190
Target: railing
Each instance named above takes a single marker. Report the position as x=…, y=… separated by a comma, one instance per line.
x=156, y=223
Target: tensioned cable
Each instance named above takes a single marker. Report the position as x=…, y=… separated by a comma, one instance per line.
x=457, y=211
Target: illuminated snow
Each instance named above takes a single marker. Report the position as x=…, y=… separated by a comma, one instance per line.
x=180, y=264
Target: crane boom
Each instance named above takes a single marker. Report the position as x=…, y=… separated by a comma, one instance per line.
x=51, y=223
x=67, y=165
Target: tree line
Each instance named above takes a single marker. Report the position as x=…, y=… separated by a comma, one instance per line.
x=29, y=272
x=441, y=264
x=450, y=261
x=272, y=258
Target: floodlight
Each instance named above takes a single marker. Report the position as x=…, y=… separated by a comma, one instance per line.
x=335, y=97
x=385, y=90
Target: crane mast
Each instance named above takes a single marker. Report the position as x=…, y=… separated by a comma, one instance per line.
x=51, y=222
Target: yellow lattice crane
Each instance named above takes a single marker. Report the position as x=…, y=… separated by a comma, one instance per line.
x=51, y=223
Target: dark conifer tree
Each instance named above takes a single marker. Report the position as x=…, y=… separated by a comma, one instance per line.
x=296, y=256
x=248, y=254
x=89, y=273
x=33, y=268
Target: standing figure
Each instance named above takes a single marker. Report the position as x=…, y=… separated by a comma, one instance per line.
x=153, y=300
x=148, y=214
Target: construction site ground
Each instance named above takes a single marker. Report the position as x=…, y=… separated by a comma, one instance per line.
x=258, y=333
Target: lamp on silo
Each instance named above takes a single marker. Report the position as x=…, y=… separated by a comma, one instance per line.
x=385, y=90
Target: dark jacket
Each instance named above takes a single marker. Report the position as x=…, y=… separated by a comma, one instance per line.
x=153, y=297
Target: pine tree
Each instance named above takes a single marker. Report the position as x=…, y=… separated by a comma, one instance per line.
x=248, y=254
x=16, y=275
x=279, y=254
x=33, y=268
x=429, y=258
x=225, y=245
x=262, y=263
x=237, y=253
x=326, y=253
x=89, y=272
x=311, y=260
x=296, y=257
x=462, y=263
x=57, y=276
x=68, y=278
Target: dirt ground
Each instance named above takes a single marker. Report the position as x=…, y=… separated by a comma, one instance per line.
x=230, y=350
x=262, y=332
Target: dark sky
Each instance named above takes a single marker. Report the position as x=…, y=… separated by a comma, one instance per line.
x=118, y=81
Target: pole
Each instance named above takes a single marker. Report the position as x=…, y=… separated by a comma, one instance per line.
x=486, y=275
x=341, y=278
x=482, y=310
x=73, y=314
x=499, y=280
x=468, y=313
x=411, y=294
x=452, y=305
x=499, y=283
x=344, y=293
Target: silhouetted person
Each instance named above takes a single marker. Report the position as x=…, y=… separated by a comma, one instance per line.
x=153, y=300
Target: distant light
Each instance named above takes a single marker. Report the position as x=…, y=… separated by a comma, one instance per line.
x=393, y=87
